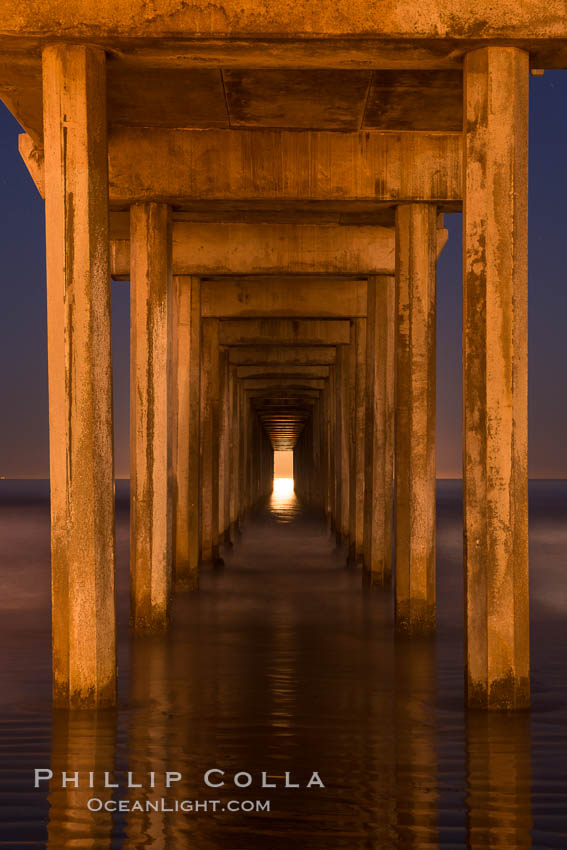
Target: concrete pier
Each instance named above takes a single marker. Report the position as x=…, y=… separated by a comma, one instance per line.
x=280, y=230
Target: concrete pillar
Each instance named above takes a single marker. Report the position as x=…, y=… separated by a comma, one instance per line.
x=226, y=414
x=186, y=328
x=316, y=457
x=349, y=381
x=80, y=376
x=327, y=437
x=195, y=435
x=242, y=453
x=338, y=450
x=332, y=473
x=416, y=252
x=234, y=440
x=210, y=372
x=344, y=388
x=222, y=448
x=379, y=447
x=151, y=416
x=297, y=469
x=495, y=362
x=358, y=422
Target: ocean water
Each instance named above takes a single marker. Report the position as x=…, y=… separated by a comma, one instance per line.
x=283, y=664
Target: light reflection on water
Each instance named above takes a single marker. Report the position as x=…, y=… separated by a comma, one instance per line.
x=283, y=504
x=281, y=663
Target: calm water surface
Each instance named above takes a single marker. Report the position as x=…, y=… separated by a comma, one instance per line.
x=282, y=663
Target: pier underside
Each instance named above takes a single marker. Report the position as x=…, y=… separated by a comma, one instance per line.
x=274, y=193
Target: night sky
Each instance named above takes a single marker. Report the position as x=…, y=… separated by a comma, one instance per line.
x=23, y=344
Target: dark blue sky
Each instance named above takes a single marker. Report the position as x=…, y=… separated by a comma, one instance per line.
x=23, y=346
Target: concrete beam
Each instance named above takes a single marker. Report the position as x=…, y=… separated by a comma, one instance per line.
x=279, y=396
x=301, y=297
x=283, y=249
x=332, y=33
x=287, y=355
x=241, y=249
x=278, y=166
x=221, y=248
x=255, y=20
x=279, y=383
x=260, y=165
x=282, y=370
x=283, y=332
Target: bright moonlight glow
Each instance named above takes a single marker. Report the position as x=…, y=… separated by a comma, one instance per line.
x=283, y=488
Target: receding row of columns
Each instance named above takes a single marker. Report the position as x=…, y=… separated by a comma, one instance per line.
x=168, y=506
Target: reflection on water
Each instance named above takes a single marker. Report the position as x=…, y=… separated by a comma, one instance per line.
x=416, y=733
x=282, y=664
x=498, y=780
x=81, y=742
x=283, y=504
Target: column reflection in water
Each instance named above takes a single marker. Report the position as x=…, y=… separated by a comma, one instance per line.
x=498, y=780
x=417, y=794
x=375, y=741
x=82, y=741
x=148, y=741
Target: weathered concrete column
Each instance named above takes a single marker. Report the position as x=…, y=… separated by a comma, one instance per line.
x=151, y=416
x=416, y=252
x=234, y=448
x=252, y=461
x=224, y=450
x=242, y=453
x=379, y=447
x=495, y=362
x=195, y=432
x=316, y=488
x=186, y=431
x=344, y=445
x=358, y=422
x=209, y=438
x=338, y=449
x=332, y=474
x=349, y=383
x=80, y=376
x=323, y=469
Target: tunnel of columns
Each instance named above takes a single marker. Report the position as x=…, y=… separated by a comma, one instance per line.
x=280, y=231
